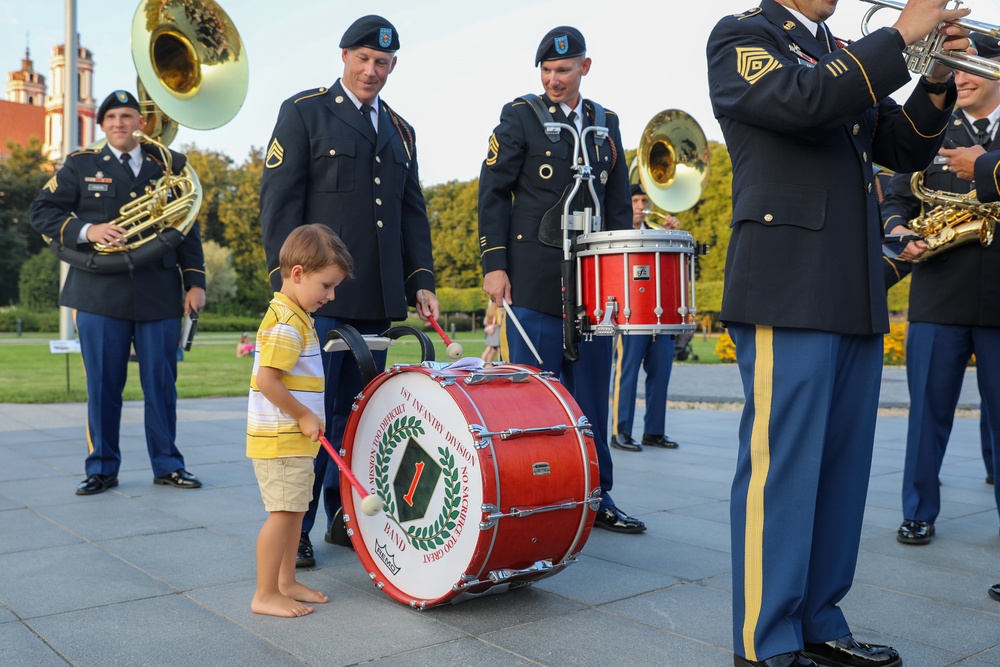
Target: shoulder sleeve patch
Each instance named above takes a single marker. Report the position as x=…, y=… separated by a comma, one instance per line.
x=275, y=154
x=494, y=151
x=52, y=185
x=753, y=63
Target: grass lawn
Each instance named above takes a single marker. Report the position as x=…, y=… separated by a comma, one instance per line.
x=29, y=373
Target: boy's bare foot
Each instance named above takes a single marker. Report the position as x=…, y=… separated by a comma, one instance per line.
x=303, y=593
x=278, y=605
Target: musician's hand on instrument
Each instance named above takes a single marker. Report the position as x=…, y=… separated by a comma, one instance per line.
x=497, y=285
x=962, y=161
x=194, y=300
x=921, y=17
x=670, y=222
x=107, y=234
x=427, y=305
x=913, y=249
x=958, y=40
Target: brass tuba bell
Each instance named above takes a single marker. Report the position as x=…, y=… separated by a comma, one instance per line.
x=190, y=61
x=672, y=161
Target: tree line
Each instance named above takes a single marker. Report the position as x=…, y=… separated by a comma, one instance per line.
x=230, y=229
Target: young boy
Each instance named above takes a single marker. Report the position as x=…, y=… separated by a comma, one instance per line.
x=285, y=416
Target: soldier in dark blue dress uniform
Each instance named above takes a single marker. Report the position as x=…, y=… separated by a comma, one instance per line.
x=954, y=312
x=656, y=356
x=524, y=177
x=140, y=306
x=342, y=157
x=804, y=300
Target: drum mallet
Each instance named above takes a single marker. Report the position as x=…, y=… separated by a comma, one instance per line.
x=454, y=350
x=370, y=504
x=510, y=314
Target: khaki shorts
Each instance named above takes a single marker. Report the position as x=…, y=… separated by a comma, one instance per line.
x=286, y=483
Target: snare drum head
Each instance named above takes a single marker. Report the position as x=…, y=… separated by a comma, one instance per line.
x=410, y=444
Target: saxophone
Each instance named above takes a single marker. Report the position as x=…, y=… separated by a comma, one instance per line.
x=952, y=220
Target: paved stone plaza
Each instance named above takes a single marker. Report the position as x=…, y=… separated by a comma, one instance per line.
x=151, y=575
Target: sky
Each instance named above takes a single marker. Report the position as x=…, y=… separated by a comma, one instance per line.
x=459, y=60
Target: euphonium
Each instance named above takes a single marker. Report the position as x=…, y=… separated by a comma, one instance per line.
x=954, y=219
x=170, y=203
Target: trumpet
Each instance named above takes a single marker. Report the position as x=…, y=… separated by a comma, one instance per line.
x=922, y=56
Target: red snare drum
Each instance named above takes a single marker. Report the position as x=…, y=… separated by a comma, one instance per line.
x=637, y=281
x=488, y=478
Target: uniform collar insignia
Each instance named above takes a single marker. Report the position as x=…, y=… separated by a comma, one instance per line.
x=788, y=25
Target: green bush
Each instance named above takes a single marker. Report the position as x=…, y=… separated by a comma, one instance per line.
x=38, y=284
x=31, y=321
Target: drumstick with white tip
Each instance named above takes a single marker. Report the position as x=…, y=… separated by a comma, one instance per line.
x=513, y=318
x=454, y=350
x=370, y=503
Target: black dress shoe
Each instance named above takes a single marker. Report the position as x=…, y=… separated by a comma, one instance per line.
x=304, y=557
x=337, y=534
x=658, y=441
x=615, y=520
x=624, y=441
x=849, y=652
x=994, y=591
x=794, y=659
x=96, y=484
x=180, y=478
x=915, y=532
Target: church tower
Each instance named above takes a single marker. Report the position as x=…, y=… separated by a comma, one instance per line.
x=86, y=109
x=26, y=86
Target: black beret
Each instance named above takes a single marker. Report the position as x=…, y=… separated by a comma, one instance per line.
x=373, y=32
x=559, y=43
x=987, y=48
x=637, y=189
x=119, y=98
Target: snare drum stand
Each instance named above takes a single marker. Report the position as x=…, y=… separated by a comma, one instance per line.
x=576, y=325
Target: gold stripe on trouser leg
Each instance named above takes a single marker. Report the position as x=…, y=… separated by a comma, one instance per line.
x=504, y=348
x=760, y=461
x=616, y=400
x=90, y=443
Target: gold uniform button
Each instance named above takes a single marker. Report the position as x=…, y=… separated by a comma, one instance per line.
x=768, y=217
x=97, y=195
x=378, y=159
x=379, y=223
x=333, y=152
x=856, y=129
x=944, y=168
x=864, y=157
x=548, y=153
x=869, y=188
x=378, y=181
x=378, y=202
x=132, y=195
x=519, y=237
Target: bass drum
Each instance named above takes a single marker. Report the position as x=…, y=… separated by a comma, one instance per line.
x=488, y=480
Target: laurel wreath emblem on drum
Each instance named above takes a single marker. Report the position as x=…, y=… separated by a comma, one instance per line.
x=429, y=537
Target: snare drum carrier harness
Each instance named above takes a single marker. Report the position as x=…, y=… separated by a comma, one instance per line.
x=559, y=228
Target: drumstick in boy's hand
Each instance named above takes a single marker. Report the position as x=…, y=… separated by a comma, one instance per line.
x=370, y=503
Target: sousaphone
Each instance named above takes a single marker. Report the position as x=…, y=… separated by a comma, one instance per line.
x=672, y=162
x=192, y=70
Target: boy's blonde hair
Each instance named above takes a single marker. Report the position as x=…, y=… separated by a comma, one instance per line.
x=314, y=247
